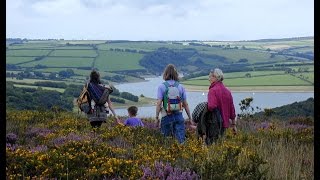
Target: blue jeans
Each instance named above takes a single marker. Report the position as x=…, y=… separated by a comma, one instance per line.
x=173, y=124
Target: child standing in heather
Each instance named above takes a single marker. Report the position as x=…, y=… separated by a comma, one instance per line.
x=132, y=121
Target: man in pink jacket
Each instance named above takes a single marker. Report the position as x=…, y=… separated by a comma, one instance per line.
x=220, y=97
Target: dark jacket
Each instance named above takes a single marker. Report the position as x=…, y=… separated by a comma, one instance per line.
x=209, y=122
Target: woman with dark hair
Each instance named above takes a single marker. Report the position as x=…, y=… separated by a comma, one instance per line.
x=100, y=100
x=172, y=99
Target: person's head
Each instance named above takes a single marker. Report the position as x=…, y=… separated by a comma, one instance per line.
x=95, y=77
x=215, y=75
x=132, y=111
x=170, y=73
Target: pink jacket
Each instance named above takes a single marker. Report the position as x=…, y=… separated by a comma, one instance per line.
x=220, y=97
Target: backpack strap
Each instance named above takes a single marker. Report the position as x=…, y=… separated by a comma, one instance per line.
x=165, y=96
x=105, y=96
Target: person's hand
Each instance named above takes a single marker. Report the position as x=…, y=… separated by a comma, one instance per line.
x=192, y=123
x=119, y=122
x=157, y=122
x=117, y=119
x=234, y=129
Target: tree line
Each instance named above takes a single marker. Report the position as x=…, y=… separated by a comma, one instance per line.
x=37, y=98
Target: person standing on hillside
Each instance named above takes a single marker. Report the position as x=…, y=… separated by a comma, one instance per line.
x=100, y=100
x=220, y=97
x=172, y=99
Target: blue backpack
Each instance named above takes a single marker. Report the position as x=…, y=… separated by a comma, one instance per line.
x=99, y=93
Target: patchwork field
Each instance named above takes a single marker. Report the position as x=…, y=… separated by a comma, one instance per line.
x=117, y=61
x=33, y=52
x=74, y=53
x=270, y=80
x=83, y=55
x=46, y=88
x=62, y=62
x=16, y=60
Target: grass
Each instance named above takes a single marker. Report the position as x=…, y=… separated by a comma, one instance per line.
x=61, y=90
x=272, y=80
x=34, y=52
x=252, y=56
x=145, y=46
x=32, y=46
x=49, y=70
x=118, y=61
x=64, y=47
x=62, y=62
x=74, y=53
x=306, y=75
x=82, y=41
x=16, y=60
x=255, y=88
x=310, y=68
x=242, y=74
x=32, y=81
x=143, y=101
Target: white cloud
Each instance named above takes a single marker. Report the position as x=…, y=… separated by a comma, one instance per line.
x=159, y=19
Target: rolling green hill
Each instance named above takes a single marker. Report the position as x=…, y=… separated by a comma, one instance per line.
x=136, y=58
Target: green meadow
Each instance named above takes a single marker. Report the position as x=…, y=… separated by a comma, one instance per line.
x=62, y=62
x=268, y=80
x=110, y=57
x=33, y=52
x=74, y=53
x=145, y=46
x=61, y=90
x=16, y=60
x=242, y=74
x=118, y=61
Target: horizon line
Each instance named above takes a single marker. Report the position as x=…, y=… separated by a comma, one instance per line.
x=297, y=37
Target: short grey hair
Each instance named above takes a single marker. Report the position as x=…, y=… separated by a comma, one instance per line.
x=217, y=73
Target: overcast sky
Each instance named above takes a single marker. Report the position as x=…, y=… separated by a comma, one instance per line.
x=159, y=19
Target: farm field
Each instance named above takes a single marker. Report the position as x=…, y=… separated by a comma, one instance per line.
x=252, y=56
x=61, y=90
x=205, y=88
x=242, y=74
x=33, y=52
x=74, y=53
x=60, y=55
x=117, y=61
x=62, y=62
x=272, y=80
x=16, y=60
x=273, y=45
x=145, y=46
x=32, y=81
x=64, y=47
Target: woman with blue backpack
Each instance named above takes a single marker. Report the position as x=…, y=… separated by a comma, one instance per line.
x=171, y=100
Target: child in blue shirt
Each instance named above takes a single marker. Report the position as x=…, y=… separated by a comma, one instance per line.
x=132, y=121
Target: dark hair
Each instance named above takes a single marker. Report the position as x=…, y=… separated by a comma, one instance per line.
x=170, y=73
x=95, y=77
x=133, y=110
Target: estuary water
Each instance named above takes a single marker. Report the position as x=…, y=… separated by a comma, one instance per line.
x=260, y=99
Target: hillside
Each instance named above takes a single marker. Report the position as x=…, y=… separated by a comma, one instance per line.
x=50, y=144
x=303, y=109
x=131, y=59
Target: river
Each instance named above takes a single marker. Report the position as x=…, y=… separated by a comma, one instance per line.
x=260, y=99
